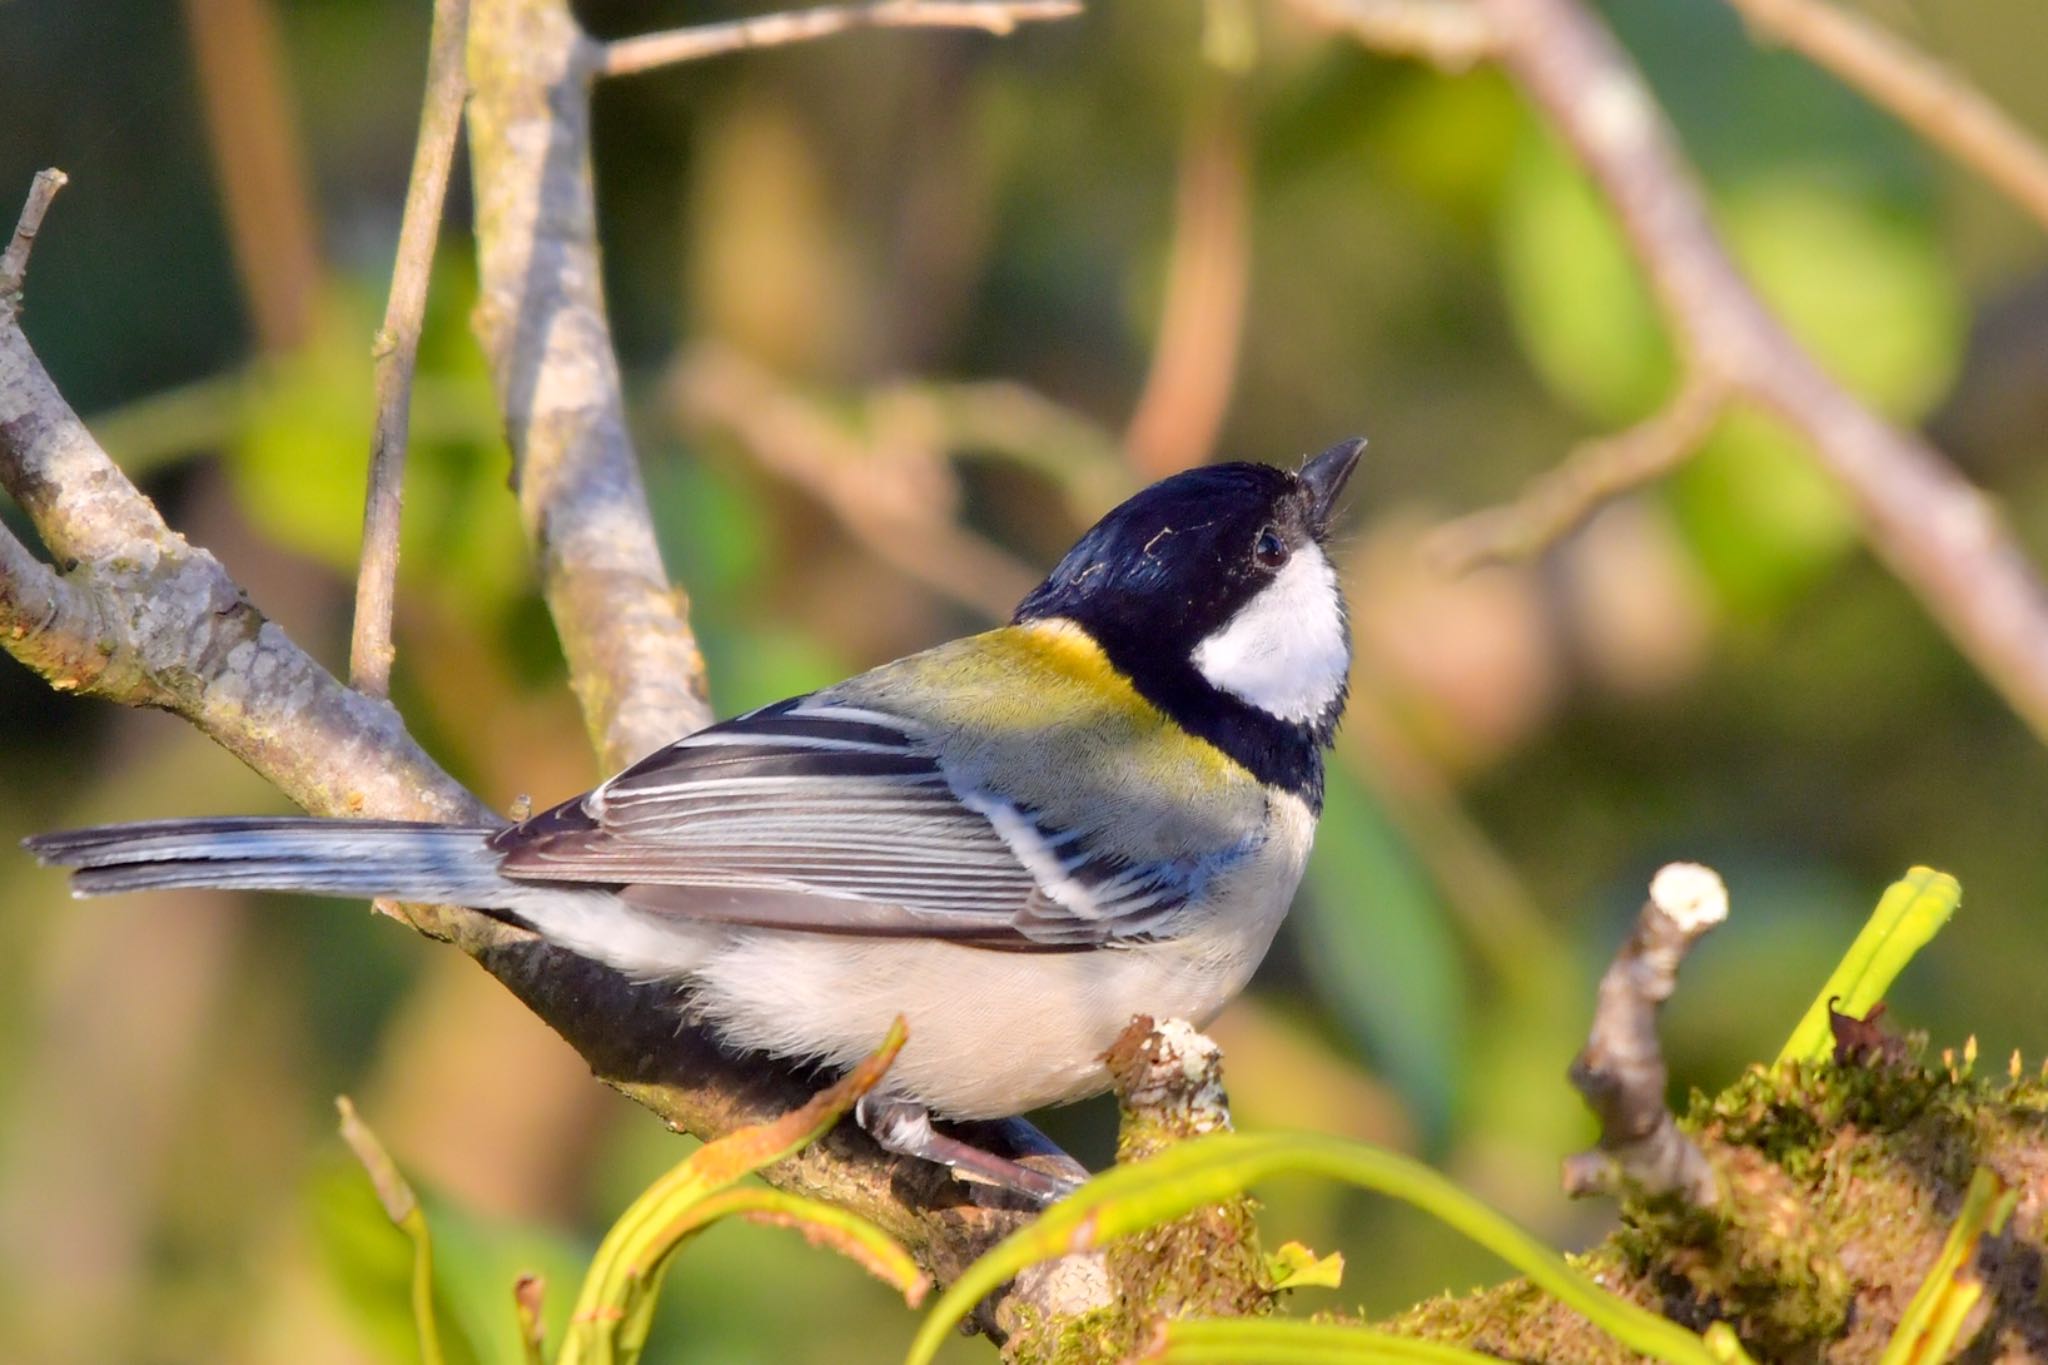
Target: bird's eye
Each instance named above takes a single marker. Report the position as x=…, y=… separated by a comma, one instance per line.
x=1270, y=549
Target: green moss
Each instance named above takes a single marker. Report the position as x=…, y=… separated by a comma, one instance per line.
x=1206, y=1264
x=1839, y=1185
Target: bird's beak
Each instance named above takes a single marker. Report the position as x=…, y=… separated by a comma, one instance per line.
x=1325, y=477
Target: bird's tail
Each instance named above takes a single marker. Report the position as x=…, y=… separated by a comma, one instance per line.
x=409, y=861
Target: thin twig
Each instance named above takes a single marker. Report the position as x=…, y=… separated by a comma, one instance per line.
x=628, y=56
x=1450, y=34
x=1621, y=1071
x=893, y=494
x=1560, y=499
x=14, y=260
x=1920, y=92
x=398, y=346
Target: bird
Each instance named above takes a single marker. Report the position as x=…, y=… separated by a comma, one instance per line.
x=1017, y=840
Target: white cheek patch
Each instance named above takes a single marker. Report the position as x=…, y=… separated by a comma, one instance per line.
x=1285, y=651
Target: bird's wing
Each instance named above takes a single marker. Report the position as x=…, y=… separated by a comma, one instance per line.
x=826, y=817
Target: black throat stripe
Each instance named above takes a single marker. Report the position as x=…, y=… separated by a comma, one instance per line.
x=1279, y=753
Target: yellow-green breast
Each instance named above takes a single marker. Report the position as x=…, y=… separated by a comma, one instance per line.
x=1037, y=713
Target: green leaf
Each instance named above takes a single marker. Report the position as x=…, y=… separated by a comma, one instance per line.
x=1927, y=1333
x=1294, y=1266
x=1380, y=949
x=1574, y=293
x=615, y=1307
x=1911, y=912
x=1450, y=140
x=1210, y=1169
x=1762, y=518
x=371, y=1264
x=479, y=1261
x=1269, y=1341
x=402, y=1207
x=1865, y=287
x=300, y=458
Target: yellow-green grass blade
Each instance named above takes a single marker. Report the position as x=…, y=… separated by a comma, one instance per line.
x=1267, y=1341
x=616, y=1303
x=1927, y=1333
x=1211, y=1169
x=1912, y=910
x=402, y=1206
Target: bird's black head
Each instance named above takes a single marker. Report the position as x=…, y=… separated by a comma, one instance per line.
x=1211, y=592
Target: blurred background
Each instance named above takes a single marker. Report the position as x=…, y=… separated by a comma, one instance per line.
x=900, y=313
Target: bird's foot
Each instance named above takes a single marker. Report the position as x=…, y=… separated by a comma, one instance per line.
x=906, y=1129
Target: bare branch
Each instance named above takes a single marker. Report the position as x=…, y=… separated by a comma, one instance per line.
x=1621, y=1071
x=42, y=619
x=1453, y=35
x=628, y=56
x=1931, y=526
x=144, y=618
x=398, y=346
x=1920, y=92
x=14, y=260
x=1934, y=529
x=1559, y=500
x=541, y=318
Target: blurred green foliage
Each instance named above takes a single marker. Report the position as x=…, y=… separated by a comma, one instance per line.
x=1718, y=671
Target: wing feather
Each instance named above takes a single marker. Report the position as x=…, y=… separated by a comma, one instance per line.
x=837, y=818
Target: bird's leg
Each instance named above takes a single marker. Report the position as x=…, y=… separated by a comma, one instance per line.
x=906, y=1129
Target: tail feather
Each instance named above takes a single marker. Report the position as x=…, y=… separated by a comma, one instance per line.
x=331, y=857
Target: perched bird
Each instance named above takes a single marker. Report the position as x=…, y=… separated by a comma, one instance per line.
x=1017, y=840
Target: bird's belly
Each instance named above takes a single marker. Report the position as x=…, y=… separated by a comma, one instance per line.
x=991, y=1033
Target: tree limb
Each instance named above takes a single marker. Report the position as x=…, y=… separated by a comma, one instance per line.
x=1941, y=107
x=541, y=318
x=1934, y=529
x=398, y=346
x=629, y=56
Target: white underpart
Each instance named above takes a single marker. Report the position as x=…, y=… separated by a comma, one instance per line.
x=1285, y=651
